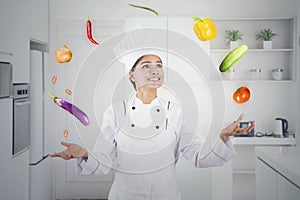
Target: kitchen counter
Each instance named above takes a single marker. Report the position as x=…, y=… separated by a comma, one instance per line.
x=263, y=141
x=284, y=160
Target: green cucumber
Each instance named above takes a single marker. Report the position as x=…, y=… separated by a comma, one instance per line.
x=232, y=57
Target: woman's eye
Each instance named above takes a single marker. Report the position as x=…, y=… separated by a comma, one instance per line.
x=159, y=66
x=146, y=66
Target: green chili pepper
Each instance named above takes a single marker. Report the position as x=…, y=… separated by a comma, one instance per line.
x=143, y=7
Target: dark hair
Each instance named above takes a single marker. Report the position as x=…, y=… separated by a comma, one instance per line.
x=133, y=68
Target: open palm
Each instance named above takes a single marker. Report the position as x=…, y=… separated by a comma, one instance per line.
x=72, y=151
x=234, y=128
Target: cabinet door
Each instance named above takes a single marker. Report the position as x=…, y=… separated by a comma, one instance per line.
x=6, y=26
x=286, y=189
x=20, y=177
x=20, y=42
x=39, y=20
x=265, y=181
x=193, y=183
x=73, y=35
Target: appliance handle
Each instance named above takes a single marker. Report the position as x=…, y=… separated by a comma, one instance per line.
x=21, y=103
x=36, y=163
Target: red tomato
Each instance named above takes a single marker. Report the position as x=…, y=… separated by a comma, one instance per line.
x=241, y=95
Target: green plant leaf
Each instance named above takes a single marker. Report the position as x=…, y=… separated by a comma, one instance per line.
x=266, y=35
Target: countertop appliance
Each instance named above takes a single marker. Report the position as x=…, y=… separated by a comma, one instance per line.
x=281, y=127
x=21, y=118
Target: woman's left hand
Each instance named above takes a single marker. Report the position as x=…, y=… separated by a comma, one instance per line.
x=234, y=129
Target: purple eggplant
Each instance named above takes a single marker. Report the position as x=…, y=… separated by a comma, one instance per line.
x=79, y=114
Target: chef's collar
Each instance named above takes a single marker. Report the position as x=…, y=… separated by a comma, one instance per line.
x=138, y=101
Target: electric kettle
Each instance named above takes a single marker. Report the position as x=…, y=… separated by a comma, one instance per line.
x=281, y=127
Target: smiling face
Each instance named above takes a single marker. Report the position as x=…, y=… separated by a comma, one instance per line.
x=148, y=73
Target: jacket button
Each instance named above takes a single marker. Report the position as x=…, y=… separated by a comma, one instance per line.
x=132, y=125
x=133, y=108
x=157, y=127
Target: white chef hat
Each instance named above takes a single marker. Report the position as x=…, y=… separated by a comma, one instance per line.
x=130, y=58
x=134, y=45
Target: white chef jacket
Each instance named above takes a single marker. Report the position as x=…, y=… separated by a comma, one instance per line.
x=145, y=165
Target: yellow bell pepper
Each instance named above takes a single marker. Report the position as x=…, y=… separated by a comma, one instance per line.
x=205, y=29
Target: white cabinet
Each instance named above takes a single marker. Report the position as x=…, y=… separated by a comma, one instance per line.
x=20, y=176
x=20, y=40
x=39, y=20
x=271, y=184
x=73, y=35
x=6, y=36
x=6, y=171
x=14, y=171
x=286, y=189
x=14, y=36
x=240, y=173
x=265, y=181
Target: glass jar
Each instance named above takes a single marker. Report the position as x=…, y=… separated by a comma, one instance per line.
x=228, y=75
x=255, y=74
x=277, y=74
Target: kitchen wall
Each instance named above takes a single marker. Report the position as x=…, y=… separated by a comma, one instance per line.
x=298, y=72
x=118, y=9
x=72, y=11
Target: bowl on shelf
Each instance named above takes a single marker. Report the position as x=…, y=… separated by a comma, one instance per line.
x=277, y=74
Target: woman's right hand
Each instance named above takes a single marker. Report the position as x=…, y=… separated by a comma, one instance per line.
x=72, y=151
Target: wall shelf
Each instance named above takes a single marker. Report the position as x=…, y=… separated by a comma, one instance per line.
x=282, y=55
x=254, y=81
x=254, y=50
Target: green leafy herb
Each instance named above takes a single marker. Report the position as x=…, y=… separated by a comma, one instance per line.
x=266, y=35
x=233, y=35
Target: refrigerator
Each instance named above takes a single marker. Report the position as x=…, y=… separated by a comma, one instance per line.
x=40, y=177
x=6, y=115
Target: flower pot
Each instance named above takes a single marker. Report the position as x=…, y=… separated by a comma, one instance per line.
x=267, y=45
x=233, y=44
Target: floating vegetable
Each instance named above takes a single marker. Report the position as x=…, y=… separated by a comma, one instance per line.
x=54, y=78
x=89, y=31
x=79, y=114
x=232, y=57
x=143, y=7
x=205, y=29
x=63, y=54
x=66, y=133
x=241, y=95
x=68, y=91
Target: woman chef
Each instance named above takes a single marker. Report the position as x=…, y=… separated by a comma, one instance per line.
x=143, y=138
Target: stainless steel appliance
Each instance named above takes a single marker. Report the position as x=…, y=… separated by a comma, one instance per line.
x=21, y=118
x=5, y=79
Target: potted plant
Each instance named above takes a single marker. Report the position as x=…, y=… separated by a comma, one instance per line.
x=266, y=35
x=232, y=37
